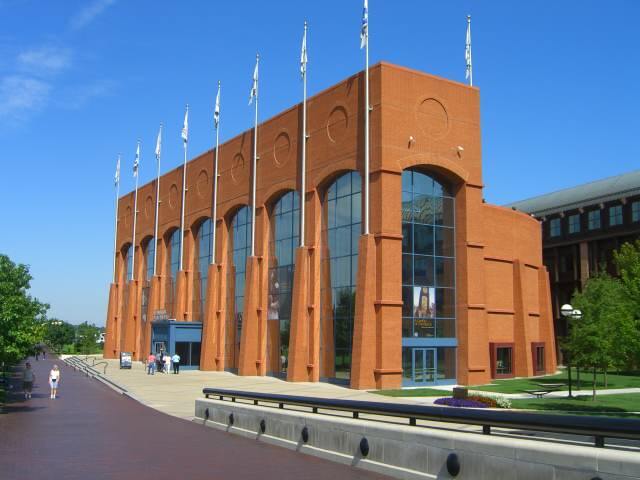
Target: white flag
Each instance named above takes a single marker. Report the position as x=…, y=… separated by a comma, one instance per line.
x=116, y=178
x=185, y=128
x=159, y=144
x=216, y=111
x=303, y=52
x=254, y=87
x=467, y=51
x=364, y=32
x=136, y=162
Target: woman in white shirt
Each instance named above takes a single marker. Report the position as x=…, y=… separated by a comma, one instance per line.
x=54, y=380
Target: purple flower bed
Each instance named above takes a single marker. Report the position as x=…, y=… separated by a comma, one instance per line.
x=455, y=402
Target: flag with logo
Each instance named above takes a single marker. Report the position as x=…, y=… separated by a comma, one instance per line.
x=364, y=32
x=216, y=111
x=159, y=144
x=303, y=53
x=116, y=178
x=254, y=87
x=136, y=162
x=185, y=127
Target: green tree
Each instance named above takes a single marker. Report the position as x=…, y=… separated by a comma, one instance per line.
x=21, y=316
x=605, y=336
x=86, y=337
x=627, y=259
x=58, y=334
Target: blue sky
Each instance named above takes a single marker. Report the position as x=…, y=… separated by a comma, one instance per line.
x=80, y=81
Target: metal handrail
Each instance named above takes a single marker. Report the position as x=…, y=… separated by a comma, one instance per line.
x=106, y=364
x=597, y=427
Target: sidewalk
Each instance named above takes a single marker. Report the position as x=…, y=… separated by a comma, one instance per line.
x=91, y=431
x=176, y=394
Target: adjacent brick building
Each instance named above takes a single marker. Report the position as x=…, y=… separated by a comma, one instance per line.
x=582, y=226
x=445, y=289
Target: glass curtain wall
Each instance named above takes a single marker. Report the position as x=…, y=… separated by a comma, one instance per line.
x=341, y=231
x=240, y=249
x=428, y=280
x=285, y=237
x=203, y=254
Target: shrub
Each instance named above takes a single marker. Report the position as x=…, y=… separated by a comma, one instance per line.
x=487, y=401
x=458, y=402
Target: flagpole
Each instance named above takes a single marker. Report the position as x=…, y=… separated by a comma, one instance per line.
x=184, y=188
x=255, y=162
x=155, y=235
x=135, y=215
x=215, y=184
x=304, y=138
x=470, y=61
x=115, y=230
x=366, y=129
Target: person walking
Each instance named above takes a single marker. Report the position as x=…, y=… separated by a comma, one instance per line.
x=54, y=380
x=28, y=377
x=176, y=363
x=167, y=363
x=151, y=364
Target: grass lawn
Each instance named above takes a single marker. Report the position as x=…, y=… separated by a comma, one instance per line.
x=414, y=392
x=604, y=404
x=518, y=385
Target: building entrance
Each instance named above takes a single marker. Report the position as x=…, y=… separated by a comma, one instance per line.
x=424, y=365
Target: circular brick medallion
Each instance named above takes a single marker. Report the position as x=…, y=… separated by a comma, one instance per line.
x=432, y=118
x=337, y=124
x=173, y=197
x=148, y=207
x=238, y=169
x=282, y=149
x=202, y=183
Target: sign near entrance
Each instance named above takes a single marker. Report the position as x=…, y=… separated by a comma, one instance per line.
x=160, y=315
x=125, y=359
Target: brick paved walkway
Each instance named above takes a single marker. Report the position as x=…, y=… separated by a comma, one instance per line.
x=90, y=432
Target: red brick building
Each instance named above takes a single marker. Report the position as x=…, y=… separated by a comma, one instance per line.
x=445, y=288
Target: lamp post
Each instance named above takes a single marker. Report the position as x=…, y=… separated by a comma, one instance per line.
x=568, y=311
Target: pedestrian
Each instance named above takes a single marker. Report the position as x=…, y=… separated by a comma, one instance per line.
x=176, y=363
x=37, y=355
x=151, y=364
x=28, y=378
x=44, y=354
x=167, y=363
x=54, y=380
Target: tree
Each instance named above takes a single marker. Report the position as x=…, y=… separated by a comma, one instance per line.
x=627, y=259
x=59, y=334
x=86, y=337
x=21, y=316
x=606, y=335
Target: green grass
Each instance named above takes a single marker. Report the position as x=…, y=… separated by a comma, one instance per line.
x=617, y=404
x=414, y=392
x=518, y=385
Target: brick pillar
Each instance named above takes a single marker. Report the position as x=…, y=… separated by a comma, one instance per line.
x=471, y=323
x=210, y=320
x=522, y=357
x=155, y=290
x=180, y=299
x=252, y=361
x=546, y=333
x=365, y=333
x=299, y=368
x=127, y=340
x=110, y=341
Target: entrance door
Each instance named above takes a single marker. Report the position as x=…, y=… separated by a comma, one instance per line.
x=424, y=365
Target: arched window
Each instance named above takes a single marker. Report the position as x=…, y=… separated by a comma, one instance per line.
x=240, y=249
x=428, y=280
x=341, y=231
x=285, y=237
x=203, y=243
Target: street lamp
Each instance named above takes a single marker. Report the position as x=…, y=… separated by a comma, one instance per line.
x=568, y=311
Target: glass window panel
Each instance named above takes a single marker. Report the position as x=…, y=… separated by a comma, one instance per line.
x=445, y=328
x=438, y=210
x=445, y=268
x=423, y=239
x=448, y=212
x=356, y=182
x=407, y=327
x=422, y=184
x=423, y=270
x=444, y=241
x=423, y=209
x=343, y=241
x=344, y=271
x=343, y=211
x=407, y=301
x=503, y=360
x=446, y=363
x=343, y=185
x=445, y=302
x=354, y=269
x=356, y=207
x=407, y=209
x=407, y=269
x=407, y=181
x=355, y=238
x=407, y=238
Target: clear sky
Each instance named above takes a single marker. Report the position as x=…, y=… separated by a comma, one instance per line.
x=80, y=81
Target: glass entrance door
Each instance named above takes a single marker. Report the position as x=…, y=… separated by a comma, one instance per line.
x=424, y=365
